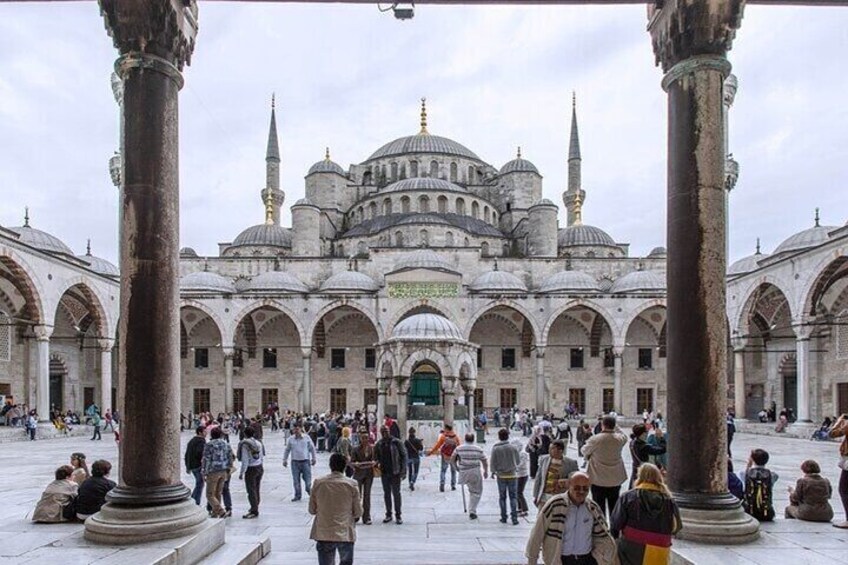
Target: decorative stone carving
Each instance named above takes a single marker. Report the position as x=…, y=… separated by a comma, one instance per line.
x=422, y=290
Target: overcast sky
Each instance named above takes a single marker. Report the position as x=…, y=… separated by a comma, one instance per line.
x=350, y=78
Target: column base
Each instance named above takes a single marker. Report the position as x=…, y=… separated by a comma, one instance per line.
x=717, y=520
x=122, y=525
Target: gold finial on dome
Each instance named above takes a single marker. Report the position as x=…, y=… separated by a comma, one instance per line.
x=578, y=210
x=327, y=154
x=88, y=247
x=26, y=216
x=817, y=217
x=423, y=117
x=269, y=209
x=273, y=100
x=518, y=153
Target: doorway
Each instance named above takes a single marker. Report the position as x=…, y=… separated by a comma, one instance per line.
x=56, y=389
x=426, y=386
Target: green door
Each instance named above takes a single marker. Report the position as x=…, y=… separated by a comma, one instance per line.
x=426, y=389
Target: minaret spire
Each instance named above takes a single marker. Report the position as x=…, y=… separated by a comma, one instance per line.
x=273, y=151
x=817, y=217
x=423, y=117
x=574, y=196
x=272, y=196
x=574, y=142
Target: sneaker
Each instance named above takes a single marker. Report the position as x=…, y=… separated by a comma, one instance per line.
x=412, y=486
x=441, y=488
x=472, y=515
x=842, y=525
x=503, y=520
x=367, y=521
x=250, y=516
x=398, y=520
x=453, y=487
x=228, y=514
x=515, y=521
x=387, y=519
x=295, y=499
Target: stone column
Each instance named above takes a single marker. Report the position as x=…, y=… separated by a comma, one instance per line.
x=739, y=381
x=306, y=389
x=618, y=400
x=448, y=393
x=106, y=374
x=802, y=356
x=42, y=372
x=383, y=385
x=229, y=352
x=402, y=390
x=690, y=39
x=541, y=393
x=155, y=39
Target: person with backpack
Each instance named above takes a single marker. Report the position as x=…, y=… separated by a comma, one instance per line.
x=390, y=456
x=759, y=486
x=321, y=436
x=840, y=429
x=810, y=499
x=468, y=458
x=251, y=452
x=95, y=423
x=448, y=442
x=216, y=463
x=414, y=446
x=59, y=495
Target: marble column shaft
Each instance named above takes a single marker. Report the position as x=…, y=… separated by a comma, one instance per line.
x=306, y=389
x=802, y=356
x=541, y=395
x=739, y=382
x=42, y=372
x=618, y=400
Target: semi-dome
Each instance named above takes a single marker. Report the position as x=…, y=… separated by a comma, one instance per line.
x=304, y=202
x=519, y=165
x=422, y=183
x=497, y=281
x=639, y=281
x=571, y=281
x=544, y=202
x=805, y=239
x=583, y=234
x=205, y=281
x=264, y=235
x=99, y=265
x=276, y=281
x=349, y=281
x=424, y=259
x=747, y=264
x=188, y=252
x=426, y=327
x=42, y=240
x=658, y=252
x=423, y=143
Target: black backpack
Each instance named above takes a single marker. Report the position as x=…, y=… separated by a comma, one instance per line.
x=758, y=494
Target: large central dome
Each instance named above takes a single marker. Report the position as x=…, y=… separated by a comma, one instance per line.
x=423, y=143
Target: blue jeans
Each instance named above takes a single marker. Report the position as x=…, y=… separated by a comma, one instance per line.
x=508, y=487
x=327, y=552
x=412, y=467
x=301, y=469
x=445, y=465
x=197, y=493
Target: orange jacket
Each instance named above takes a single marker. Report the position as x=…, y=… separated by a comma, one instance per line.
x=438, y=446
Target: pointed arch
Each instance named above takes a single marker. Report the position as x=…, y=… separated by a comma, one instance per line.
x=570, y=305
x=224, y=329
x=507, y=303
x=26, y=282
x=825, y=274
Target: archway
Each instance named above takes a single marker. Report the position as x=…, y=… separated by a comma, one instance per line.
x=202, y=361
x=425, y=387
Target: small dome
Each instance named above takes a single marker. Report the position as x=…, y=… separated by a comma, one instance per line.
x=575, y=281
x=519, y=165
x=582, y=234
x=304, y=202
x=544, y=202
x=423, y=143
x=349, y=281
x=204, y=281
x=497, y=281
x=424, y=259
x=747, y=264
x=426, y=327
x=422, y=183
x=277, y=281
x=100, y=266
x=805, y=239
x=639, y=281
x=42, y=240
x=266, y=235
x=188, y=252
x=658, y=252
x=326, y=165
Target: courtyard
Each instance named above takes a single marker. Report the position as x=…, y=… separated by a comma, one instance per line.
x=435, y=529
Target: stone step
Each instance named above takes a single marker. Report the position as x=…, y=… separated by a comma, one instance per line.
x=240, y=550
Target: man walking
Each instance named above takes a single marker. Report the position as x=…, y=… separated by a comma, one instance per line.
x=217, y=460
x=505, y=460
x=571, y=530
x=468, y=458
x=194, y=460
x=95, y=423
x=251, y=453
x=390, y=455
x=554, y=470
x=302, y=452
x=448, y=442
x=606, y=466
x=362, y=461
x=335, y=505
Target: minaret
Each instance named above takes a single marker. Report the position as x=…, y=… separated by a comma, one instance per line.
x=574, y=196
x=272, y=196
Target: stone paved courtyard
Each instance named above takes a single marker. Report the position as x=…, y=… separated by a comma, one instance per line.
x=435, y=530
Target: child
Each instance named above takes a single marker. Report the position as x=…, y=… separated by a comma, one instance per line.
x=759, y=484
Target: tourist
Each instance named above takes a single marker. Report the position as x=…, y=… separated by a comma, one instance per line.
x=92, y=492
x=840, y=429
x=731, y=430
x=362, y=461
x=782, y=422
x=194, y=460
x=31, y=424
x=606, y=465
x=645, y=519
x=447, y=443
x=80, y=468
x=344, y=446
x=522, y=474
x=505, y=460
x=538, y=445
x=215, y=467
x=335, y=504
x=734, y=483
x=641, y=450
x=564, y=431
x=468, y=458
x=414, y=446
x=584, y=432
x=56, y=498
x=554, y=470
x=759, y=484
x=390, y=455
x=809, y=500
x=302, y=451
x=571, y=529
x=483, y=420
x=251, y=453
x=95, y=424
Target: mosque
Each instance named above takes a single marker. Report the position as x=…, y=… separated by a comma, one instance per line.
x=427, y=283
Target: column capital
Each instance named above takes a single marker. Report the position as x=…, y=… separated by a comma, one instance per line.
x=449, y=384
x=42, y=332
x=162, y=28
x=106, y=344
x=540, y=351
x=306, y=352
x=681, y=29
x=403, y=383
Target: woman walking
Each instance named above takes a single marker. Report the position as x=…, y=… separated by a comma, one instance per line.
x=809, y=500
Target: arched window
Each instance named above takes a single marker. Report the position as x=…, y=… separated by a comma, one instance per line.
x=449, y=239
x=466, y=242
x=484, y=248
x=399, y=238
x=404, y=204
x=372, y=210
x=361, y=248
x=460, y=206
x=494, y=218
x=387, y=206
x=453, y=172
x=423, y=238
x=590, y=254
x=366, y=178
x=486, y=214
x=423, y=204
x=413, y=169
x=470, y=174
x=505, y=251
x=341, y=250
x=361, y=213
x=475, y=210
x=443, y=204
x=402, y=171
x=434, y=169
x=394, y=172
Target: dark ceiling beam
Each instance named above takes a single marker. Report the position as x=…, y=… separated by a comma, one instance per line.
x=491, y=2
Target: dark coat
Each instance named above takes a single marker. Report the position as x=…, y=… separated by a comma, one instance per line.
x=644, y=517
x=92, y=495
x=194, y=452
